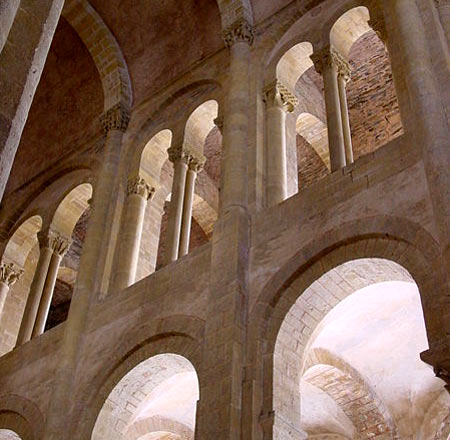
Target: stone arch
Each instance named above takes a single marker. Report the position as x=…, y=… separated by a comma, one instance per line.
x=179, y=335
x=390, y=238
x=104, y=50
x=159, y=424
x=22, y=416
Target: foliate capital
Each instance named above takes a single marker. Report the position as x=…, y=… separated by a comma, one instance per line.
x=59, y=244
x=238, y=32
x=116, y=118
x=342, y=65
x=323, y=59
x=379, y=26
x=218, y=122
x=276, y=94
x=196, y=162
x=138, y=185
x=9, y=273
x=178, y=153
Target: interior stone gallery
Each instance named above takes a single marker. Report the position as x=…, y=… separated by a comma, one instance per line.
x=224, y=219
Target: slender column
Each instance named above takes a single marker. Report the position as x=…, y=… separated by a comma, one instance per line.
x=138, y=193
x=8, y=11
x=430, y=131
x=234, y=173
x=36, y=288
x=443, y=7
x=325, y=64
x=22, y=61
x=9, y=274
x=179, y=158
x=278, y=101
x=92, y=267
x=59, y=246
x=195, y=165
x=344, y=73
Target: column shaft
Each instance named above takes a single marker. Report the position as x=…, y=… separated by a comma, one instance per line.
x=7, y=13
x=234, y=173
x=345, y=120
x=443, y=7
x=47, y=295
x=131, y=232
x=334, y=119
x=4, y=289
x=34, y=297
x=187, y=212
x=176, y=209
x=276, y=155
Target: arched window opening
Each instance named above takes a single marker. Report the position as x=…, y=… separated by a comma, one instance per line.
x=22, y=252
x=347, y=354
x=6, y=434
x=157, y=399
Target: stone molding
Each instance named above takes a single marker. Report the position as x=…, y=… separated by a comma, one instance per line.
x=138, y=185
x=178, y=153
x=277, y=94
x=116, y=118
x=59, y=244
x=10, y=273
x=239, y=32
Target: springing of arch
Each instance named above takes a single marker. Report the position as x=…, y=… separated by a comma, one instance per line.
x=234, y=10
x=104, y=50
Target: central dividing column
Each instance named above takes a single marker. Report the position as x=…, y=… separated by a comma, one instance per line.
x=278, y=101
x=220, y=407
x=179, y=157
x=36, y=288
x=195, y=165
x=9, y=274
x=325, y=63
x=344, y=73
x=138, y=193
x=92, y=266
x=59, y=246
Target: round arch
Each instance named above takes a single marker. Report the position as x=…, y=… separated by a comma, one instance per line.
x=178, y=335
x=390, y=238
x=21, y=416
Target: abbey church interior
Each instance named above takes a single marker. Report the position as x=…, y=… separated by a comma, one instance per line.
x=224, y=219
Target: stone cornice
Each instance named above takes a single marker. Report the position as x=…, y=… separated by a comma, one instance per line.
x=116, y=118
x=138, y=185
x=59, y=244
x=240, y=31
x=279, y=95
x=9, y=273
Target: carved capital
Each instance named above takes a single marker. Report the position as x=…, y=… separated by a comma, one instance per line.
x=323, y=59
x=240, y=31
x=178, y=153
x=342, y=65
x=116, y=118
x=9, y=273
x=276, y=94
x=138, y=185
x=440, y=3
x=218, y=122
x=196, y=163
x=59, y=244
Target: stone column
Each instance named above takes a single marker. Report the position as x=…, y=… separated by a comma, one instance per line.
x=90, y=273
x=278, y=101
x=9, y=274
x=59, y=246
x=344, y=73
x=138, y=193
x=22, y=60
x=195, y=165
x=234, y=173
x=325, y=64
x=8, y=11
x=430, y=131
x=36, y=288
x=179, y=157
x=443, y=7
